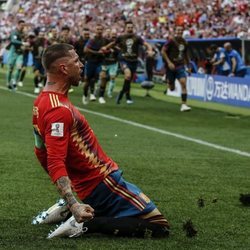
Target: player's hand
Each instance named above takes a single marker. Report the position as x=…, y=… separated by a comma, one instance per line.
x=171, y=66
x=82, y=212
x=189, y=71
x=104, y=50
x=150, y=53
x=26, y=44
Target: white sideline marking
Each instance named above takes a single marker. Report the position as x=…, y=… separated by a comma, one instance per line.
x=161, y=131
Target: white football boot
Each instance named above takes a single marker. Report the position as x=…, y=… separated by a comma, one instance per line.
x=69, y=228
x=92, y=97
x=101, y=100
x=56, y=213
x=185, y=107
x=36, y=90
x=129, y=101
x=84, y=100
x=20, y=84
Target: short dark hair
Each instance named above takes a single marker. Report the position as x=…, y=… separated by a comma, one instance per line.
x=54, y=52
x=21, y=21
x=213, y=46
x=66, y=27
x=128, y=22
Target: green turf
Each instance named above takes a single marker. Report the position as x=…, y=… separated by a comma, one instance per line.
x=175, y=173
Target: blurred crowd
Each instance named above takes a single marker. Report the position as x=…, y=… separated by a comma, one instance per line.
x=153, y=19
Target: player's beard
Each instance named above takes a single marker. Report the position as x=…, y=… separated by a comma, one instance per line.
x=74, y=80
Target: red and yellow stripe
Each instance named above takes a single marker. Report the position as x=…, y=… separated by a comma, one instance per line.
x=54, y=100
x=123, y=192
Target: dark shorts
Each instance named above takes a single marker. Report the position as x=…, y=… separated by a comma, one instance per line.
x=115, y=197
x=241, y=73
x=92, y=69
x=25, y=60
x=38, y=66
x=178, y=73
x=130, y=65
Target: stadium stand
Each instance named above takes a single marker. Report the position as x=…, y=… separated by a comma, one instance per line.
x=154, y=19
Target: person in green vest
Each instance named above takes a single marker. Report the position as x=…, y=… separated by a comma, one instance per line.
x=15, y=55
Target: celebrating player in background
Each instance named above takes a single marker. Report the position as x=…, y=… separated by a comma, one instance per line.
x=79, y=48
x=175, y=55
x=40, y=44
x=94, y=61
x=68, y=150
x=109, y=69
x=15, y=56
x=129, y=43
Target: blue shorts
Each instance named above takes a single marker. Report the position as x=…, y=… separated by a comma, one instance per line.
x=130, y=65
x=25, y=60
x=92, y=70
x=178, y=73
x=38, y=66
x=115, y=197
x=110, y=69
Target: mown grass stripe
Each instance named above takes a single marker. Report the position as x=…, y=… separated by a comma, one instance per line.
x=161, y=131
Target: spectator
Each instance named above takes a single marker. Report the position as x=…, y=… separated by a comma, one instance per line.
x=220, y=60
x=238, y=68
x=200, y=18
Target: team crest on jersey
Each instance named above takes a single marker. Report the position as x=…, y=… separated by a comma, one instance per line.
x=57, y=129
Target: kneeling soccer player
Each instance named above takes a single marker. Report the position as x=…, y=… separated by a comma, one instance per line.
x=70, y=153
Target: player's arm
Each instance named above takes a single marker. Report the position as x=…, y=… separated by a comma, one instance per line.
x=57, y=133
x=40, y=149
x=15, y=41
x=109, y=45
x=234, y=63
x=149, y=48
x=81, y=212
x=220, y=61
x=95, y=52
x=89, y=48
x=187, y=60
x=164, y=54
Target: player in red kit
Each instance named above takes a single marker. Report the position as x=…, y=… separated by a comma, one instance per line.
x=70, y=153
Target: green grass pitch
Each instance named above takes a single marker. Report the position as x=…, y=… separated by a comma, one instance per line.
x=173, y=171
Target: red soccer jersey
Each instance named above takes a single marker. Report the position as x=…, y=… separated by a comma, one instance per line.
x=66, y=145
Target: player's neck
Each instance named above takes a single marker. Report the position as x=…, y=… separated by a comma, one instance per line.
x=54, y=84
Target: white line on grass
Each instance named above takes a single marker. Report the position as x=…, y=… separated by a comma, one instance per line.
x=161, y=131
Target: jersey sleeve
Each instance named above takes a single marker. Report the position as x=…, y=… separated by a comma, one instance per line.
x=140, y=40
x=14, y=39
x=167, y=45
x=91, y=44
x=57, y=131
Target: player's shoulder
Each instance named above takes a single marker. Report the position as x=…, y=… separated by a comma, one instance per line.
x=51, y=100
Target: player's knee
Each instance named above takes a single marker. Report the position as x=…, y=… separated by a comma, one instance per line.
x=127, y=74
x=102, y=75
x=160, y=231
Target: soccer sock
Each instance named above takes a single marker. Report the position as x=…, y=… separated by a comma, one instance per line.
x=17, y=74
x=111, y=86
x=126, y=88
x=86, y=89
x=119, y=97
x=36, y=81
x=127, y=226
x=44, y=80
x=102, y=91
x=9, y=74
x=92, y=86
x=22, y=75
x=184, y=98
